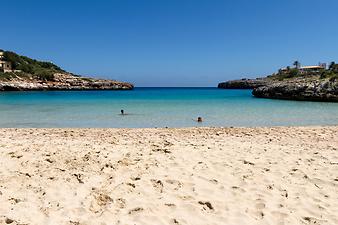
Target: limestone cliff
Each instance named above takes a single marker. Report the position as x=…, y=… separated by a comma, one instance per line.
x=61, y=81
x=311, y=86
x=243, y=84
x=24, y=74
x=300, y=89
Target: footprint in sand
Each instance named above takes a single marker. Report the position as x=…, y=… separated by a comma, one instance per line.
x=175, y=221
x=121, y=203
x=175, y=184
x=207, y=206
x=157, y=184
x=259, y=207
x=170, y=204
x=312, y=220
x=9, y=221
x=135, y=210
x=100, y=200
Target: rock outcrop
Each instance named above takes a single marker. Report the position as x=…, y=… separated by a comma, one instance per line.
x=305, y=90
x=244, y=83
x=27, y=74
x=62, y=81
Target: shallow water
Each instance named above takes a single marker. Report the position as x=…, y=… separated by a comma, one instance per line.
x=158, y=107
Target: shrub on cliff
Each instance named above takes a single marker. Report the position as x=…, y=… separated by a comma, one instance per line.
x=326, y=74
x=32, y=66
x=333, y=67
x=331, y=73
x=5, y=76
x=294, y=72
x=44, y=75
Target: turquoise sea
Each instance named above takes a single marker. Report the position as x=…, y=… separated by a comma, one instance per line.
x=158, y=107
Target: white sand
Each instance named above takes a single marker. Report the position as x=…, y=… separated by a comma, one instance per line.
x=169, y=176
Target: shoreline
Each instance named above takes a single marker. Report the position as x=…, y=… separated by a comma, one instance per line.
x=262, y=175
x=170, y=128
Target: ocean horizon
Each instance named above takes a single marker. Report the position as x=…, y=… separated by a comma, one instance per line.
x=149, y=107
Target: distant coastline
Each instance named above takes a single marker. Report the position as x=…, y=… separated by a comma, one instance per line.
x=308, y=83
x=63, y=82
x=20, y=73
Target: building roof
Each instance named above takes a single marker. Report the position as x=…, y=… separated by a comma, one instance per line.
x=311, y=67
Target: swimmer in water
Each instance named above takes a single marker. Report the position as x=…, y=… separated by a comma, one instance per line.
x=198, y=120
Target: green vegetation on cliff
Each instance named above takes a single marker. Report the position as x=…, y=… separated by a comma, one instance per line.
x=29, y=67
x=331, y=72
x=20, y=73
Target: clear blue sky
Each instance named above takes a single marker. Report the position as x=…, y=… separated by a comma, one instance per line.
x=172, y=42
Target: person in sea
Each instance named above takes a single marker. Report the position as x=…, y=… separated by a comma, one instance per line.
x=199, y=120
x=123, y=113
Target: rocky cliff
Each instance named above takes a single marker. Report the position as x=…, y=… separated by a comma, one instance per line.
x=305, y=87
x=243, y=84
x=300, y=89
x=27, y=74
x=61, y=81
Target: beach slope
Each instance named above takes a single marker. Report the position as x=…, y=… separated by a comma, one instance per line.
x=193, y=176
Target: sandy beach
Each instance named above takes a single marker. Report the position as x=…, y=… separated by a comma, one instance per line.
x=282, y=175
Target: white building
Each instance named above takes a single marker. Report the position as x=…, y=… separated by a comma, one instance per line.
x=320, y=67
x=306, y=69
